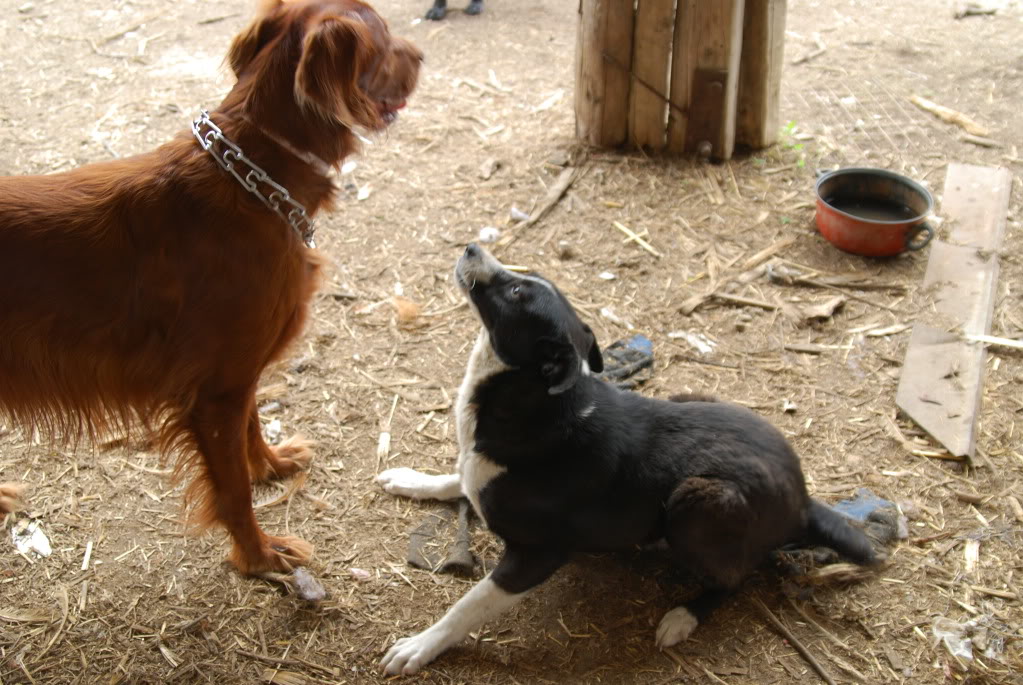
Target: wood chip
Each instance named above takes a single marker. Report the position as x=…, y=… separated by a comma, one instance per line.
x=971, y=553
x=1017, y=508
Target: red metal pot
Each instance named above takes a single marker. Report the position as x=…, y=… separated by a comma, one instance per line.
x=873, y=212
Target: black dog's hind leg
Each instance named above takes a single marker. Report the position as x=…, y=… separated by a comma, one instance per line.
x=438, y=11
x=475, y=7
x=679, y=623
x=707, y=529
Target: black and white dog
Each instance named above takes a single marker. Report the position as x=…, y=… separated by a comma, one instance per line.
x=440, y=9
x=556, y=462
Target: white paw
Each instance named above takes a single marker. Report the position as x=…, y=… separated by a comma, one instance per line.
x=411, y=483
x=676, y=626
x=410, y=654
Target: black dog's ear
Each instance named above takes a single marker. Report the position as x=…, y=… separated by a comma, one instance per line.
x=558, y=363
x=594, y=358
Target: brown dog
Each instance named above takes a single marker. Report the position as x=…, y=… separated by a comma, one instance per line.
x=152, y=291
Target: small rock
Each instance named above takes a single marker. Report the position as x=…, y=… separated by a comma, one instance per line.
x=489, y=234
x=559, y=158
x=565, y=250
x=308, y=588
x=273, y=431
x=488, y=168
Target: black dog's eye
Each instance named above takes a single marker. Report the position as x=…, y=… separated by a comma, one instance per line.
x=515, y=290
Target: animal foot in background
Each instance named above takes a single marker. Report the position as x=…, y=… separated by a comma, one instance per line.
x=676, y=626
x=475, y=7
x=410, y=654
x=411, y=483
x=10, y=498
x=436, y=13
x=290, y=457
x=277, y=554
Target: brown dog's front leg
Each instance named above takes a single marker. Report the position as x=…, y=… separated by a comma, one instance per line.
x=275, y=463
x=221, y=426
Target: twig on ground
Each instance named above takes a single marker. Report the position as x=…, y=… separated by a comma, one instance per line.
x=950, y=115
x=806, y=617
x=796, y=644
x=820, y=49
x=633, y=236
x=554, y=195
x=745, y=301
x=750, y=266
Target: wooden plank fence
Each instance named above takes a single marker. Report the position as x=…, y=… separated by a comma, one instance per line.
x=679, y=76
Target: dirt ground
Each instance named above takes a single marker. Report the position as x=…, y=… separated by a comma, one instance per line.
x=84, y=81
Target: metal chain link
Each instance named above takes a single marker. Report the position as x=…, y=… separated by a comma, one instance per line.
x=252, y=177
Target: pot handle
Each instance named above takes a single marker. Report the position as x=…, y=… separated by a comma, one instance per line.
x=913, y=241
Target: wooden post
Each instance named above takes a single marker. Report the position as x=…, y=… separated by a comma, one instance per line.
x=708, y=43
x=763, y=47
x=652, y=44
x=603, y=62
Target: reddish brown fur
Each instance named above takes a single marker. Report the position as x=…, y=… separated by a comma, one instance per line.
x=10, y=498
x=152, y=291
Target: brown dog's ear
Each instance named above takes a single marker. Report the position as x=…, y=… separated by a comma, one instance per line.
x=335, y=53
x=249, y=42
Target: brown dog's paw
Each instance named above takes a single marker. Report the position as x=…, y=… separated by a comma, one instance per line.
x=288, y=458
x=277, y=554
x=10, y=498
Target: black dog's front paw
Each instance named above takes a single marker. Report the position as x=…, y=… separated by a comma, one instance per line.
x=475, y=7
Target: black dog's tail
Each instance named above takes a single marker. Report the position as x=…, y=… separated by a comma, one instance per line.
x=827, y=527
x=692, y=397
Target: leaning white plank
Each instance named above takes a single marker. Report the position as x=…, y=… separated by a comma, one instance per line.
x=942, y=377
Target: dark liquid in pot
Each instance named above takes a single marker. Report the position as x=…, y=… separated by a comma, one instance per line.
x=872, y=209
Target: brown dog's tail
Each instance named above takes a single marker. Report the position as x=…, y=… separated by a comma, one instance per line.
x=828, y=528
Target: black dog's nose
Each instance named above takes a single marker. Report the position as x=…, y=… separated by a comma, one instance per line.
x=472, y=250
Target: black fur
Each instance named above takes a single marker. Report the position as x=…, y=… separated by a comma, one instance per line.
x=590, y=467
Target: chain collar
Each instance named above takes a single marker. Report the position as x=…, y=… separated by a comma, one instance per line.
x=252, y=177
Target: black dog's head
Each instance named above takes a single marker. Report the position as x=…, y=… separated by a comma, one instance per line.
x=530, y=323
